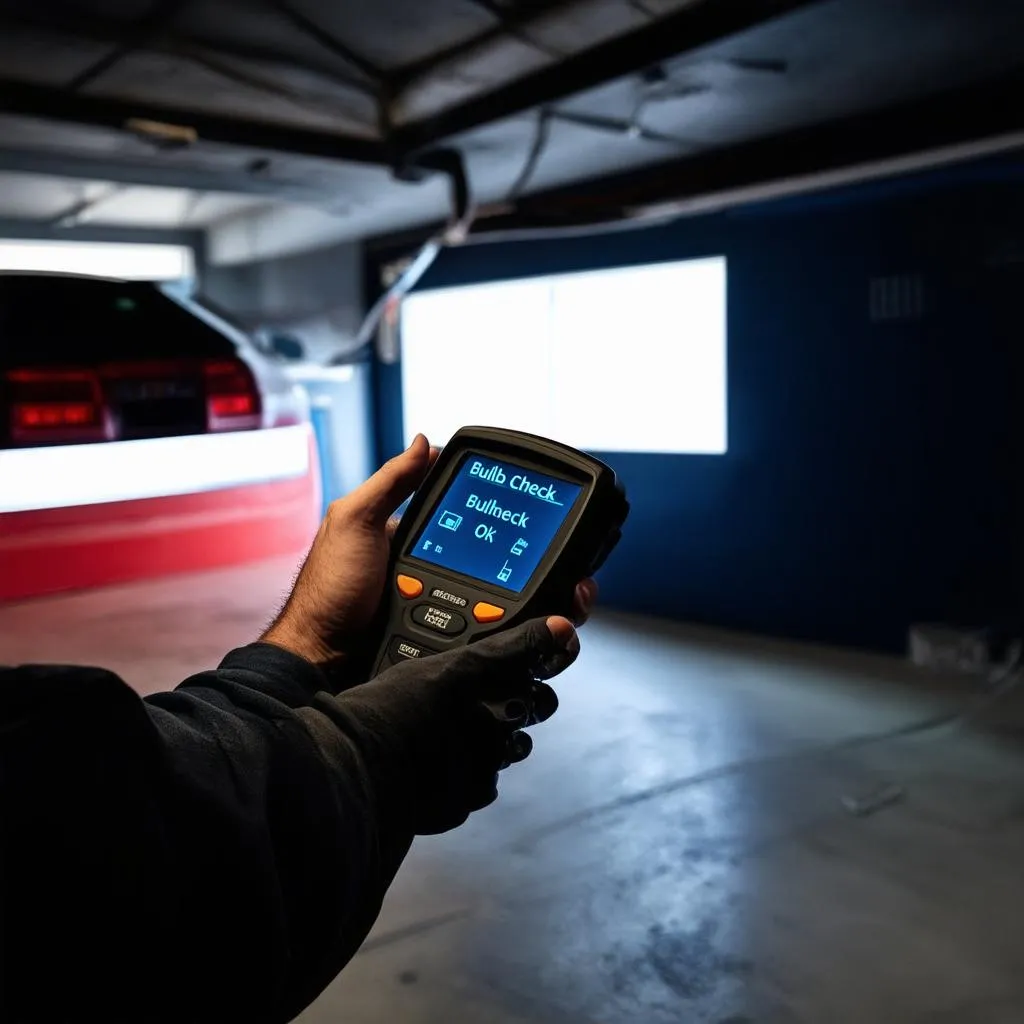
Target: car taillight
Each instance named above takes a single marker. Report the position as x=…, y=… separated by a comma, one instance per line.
x=54, y=414
x=232, y=398
x=56, y=405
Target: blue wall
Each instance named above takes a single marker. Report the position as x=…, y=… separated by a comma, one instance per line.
x=870, y=477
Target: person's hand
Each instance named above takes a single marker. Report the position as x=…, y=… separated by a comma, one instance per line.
x=339, y=588
x=457, y=715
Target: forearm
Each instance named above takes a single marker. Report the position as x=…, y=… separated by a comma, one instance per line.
x=329, y=811
x=226, y=828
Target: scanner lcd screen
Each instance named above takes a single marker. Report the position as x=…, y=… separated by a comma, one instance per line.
x=495, y=521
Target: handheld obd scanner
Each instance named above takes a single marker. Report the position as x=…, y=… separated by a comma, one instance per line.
x=501, y=530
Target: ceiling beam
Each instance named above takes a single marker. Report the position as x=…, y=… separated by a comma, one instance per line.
x=168, y=173
x=31, y=230
x=513, y=22
x=72, y=23
x=690, y=27
x=911, y=138
x=328, y=41
x=34, y=101
x=947, y=128
x=148, y=26
x=518, y=26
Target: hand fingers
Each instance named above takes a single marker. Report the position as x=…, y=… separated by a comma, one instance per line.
x=521, y=653
x=537, y=650
x=498, y=676
x=391, y=528
x=545, y=703
x=565, y=651
x=504, y=670
x=393, y=482
x=584, y=600
x=519, y=746
x=561, y=630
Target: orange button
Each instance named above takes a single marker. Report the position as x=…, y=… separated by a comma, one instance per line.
x=484, y=612
x=409, y=586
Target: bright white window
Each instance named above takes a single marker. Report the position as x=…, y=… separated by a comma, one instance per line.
x=631, y=359
x=122, y=260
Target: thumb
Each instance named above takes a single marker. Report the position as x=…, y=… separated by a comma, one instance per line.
x=393, y=482
x=539, y=648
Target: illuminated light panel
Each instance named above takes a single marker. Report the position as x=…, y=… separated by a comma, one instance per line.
x=631, y=359
x=123, y=260
x=32, y=479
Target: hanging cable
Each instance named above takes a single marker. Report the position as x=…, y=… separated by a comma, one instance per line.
x=631, y=127
x=455, y=232
x=540, y=143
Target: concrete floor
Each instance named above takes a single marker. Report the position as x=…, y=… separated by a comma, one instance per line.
x=676, y=848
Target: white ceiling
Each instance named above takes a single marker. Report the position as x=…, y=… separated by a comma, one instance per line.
x=68, y=202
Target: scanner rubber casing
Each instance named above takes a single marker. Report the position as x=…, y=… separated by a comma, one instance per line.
x=589, y=533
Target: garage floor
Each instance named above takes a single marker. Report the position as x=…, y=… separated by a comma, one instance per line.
x=676, y=849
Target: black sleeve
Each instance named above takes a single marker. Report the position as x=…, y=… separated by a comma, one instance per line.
x=212, y=854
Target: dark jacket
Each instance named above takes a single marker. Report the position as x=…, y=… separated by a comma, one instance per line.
x=219, y=852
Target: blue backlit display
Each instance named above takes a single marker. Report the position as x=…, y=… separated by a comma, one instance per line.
x=495, y=522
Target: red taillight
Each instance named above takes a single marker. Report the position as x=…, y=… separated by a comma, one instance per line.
x=232, y=398
x=56, y=405
x=233, y=405
x=47, y=415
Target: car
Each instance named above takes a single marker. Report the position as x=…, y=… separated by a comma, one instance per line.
x=87, y=359
x=141, y=433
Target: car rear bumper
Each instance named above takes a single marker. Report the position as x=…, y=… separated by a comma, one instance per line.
x=92, y=515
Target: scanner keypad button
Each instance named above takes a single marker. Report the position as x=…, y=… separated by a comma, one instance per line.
x=408, y=586
x=440, y=620
x=402, y=649
x=485, y=612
